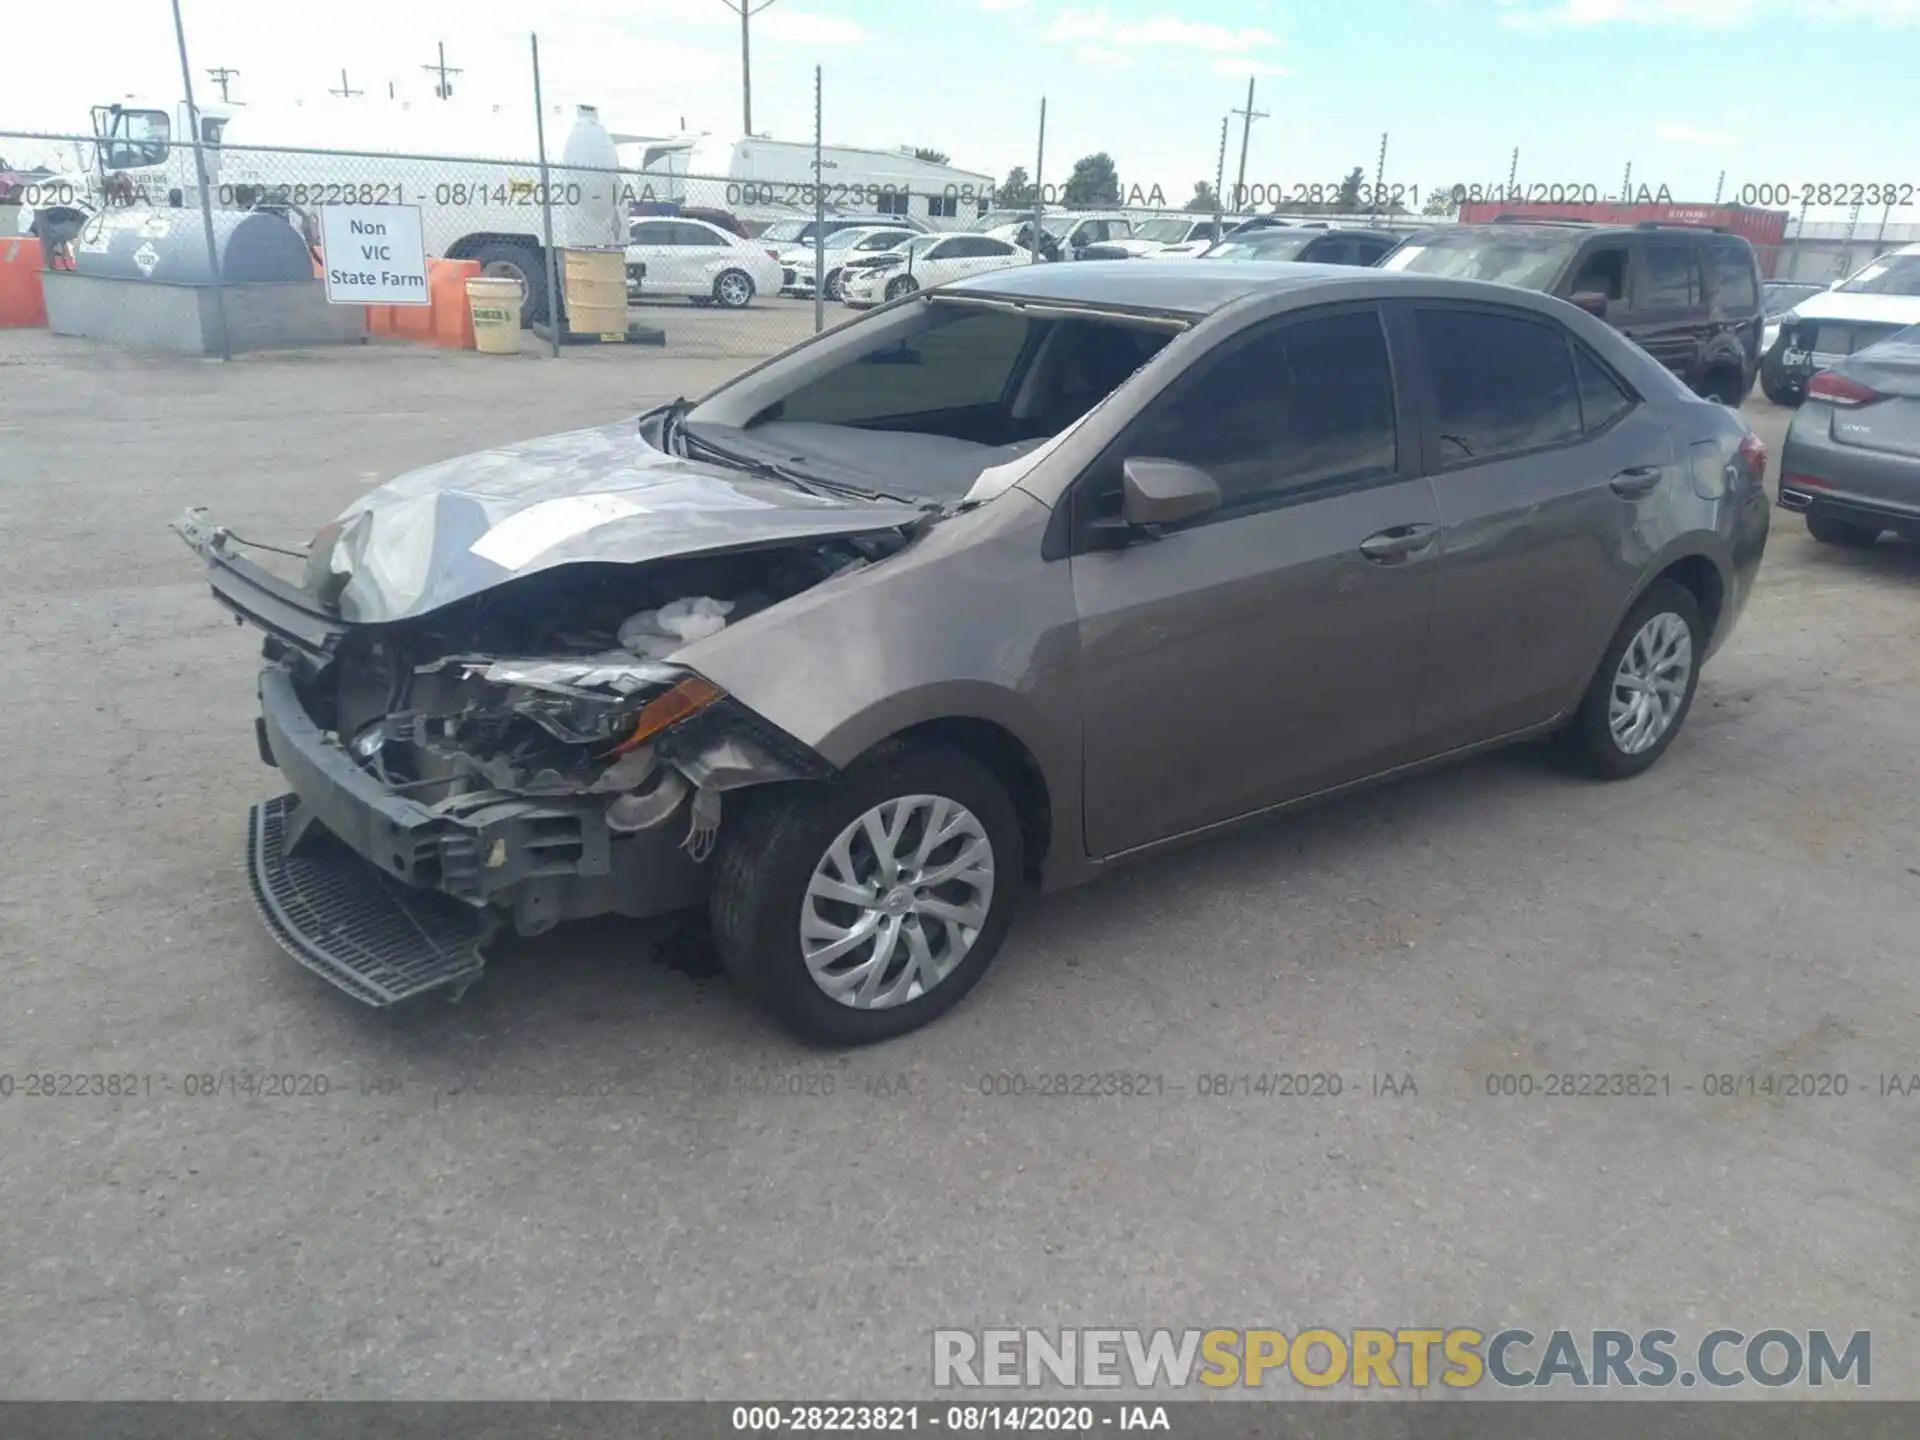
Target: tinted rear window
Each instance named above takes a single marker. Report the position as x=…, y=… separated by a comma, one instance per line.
x=1673, y=278
x=1501, y=384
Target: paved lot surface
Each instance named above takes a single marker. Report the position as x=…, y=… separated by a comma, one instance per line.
x=592, y=1177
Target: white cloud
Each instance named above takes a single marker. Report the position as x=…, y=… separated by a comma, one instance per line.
x=1002, y=4
x=1103, y=58
x=1197, y=35
x=1700, y=14
x=803, y=27
x=1076, y=25
x=1241, y=66
x=1692, y=135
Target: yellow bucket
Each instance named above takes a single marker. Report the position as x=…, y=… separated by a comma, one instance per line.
x=495, y=304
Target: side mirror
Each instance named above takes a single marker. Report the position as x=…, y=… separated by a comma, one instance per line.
x=1594, y=302
x=1164, y=492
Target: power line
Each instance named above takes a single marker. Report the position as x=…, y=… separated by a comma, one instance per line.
x=220, y=76
x=746, y=10
x=346, y=91
x=441, y=88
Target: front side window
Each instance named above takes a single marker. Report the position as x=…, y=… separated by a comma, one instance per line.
x=652, y=232
x=962, y=360
x=1735, y=290
x=1501, y=384
x=136, y=139
x=1673, y=277
x=1301, y=406
x=1602, y=272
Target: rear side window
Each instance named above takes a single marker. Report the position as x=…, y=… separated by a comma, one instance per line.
x=1300, y=406
x=1501, y=384
x=1602, y=401
x=1673, y=277
x=1735, y=291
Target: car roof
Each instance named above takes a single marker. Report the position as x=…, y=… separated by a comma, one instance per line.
x=1184, y=288
x=1345, y=231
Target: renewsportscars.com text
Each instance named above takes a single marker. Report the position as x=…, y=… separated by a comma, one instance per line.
x=1409, y=1358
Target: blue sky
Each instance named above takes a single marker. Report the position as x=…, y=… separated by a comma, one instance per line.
x=1682, y=89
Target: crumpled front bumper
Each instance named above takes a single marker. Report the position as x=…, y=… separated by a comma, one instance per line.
x=343, y=867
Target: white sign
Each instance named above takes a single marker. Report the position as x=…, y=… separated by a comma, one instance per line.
x=373, y=255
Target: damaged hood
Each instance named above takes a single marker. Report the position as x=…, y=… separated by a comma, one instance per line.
x=454, y=529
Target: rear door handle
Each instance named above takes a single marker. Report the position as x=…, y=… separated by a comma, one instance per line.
x=1640, y=480
x=1402, y=542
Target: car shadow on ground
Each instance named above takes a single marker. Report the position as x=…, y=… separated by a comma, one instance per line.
x=654, y=985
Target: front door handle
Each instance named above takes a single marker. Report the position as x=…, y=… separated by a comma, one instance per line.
x=1640, y=480
x=1402, y=542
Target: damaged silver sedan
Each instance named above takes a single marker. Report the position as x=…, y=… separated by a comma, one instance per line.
x=1005, y=582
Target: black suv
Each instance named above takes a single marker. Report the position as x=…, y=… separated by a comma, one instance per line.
x=1687, y=295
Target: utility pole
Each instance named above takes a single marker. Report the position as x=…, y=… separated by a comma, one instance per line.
x=1220, y=180
x=220, y=75
x=441, y=88
x=1247, y=116
x=1379, y=176
x=346, y=91
x=1513, y=175
x=746, y=10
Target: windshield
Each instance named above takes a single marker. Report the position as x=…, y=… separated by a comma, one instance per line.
x=785, y=230
x=1894, y=275
x=994, y=219
x=1532, y=262
x=1261, y=247
x=1781, y=298
x=1164, y=232
x=136, y=138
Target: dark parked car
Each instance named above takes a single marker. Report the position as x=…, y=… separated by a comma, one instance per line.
x=1310, y=244
x=1851, y=463
x=1689, y=296
x=1009, y=581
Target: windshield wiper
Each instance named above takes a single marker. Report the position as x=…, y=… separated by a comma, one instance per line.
x=800, y=480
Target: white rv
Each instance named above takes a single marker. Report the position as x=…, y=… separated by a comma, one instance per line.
x=762, y=180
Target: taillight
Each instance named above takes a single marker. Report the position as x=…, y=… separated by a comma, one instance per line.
x=1754, y=453
x=1839, y=390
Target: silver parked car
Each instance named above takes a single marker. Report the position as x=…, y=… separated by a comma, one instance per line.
x=1008, y=582
x=1851, y=463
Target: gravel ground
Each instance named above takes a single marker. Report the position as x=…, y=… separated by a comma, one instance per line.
x=598, y=1176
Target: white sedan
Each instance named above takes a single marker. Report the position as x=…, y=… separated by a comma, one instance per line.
x=860, y=241
x=923, y=262
x=704, y=263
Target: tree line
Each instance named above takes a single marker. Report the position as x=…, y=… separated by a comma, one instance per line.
x=1095, y=181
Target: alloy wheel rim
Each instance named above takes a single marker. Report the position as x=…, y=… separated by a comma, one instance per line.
x=1650, y=684
x=897, y=901
x=733, y=290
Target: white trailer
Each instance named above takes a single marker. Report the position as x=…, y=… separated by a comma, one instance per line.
x=762, y=180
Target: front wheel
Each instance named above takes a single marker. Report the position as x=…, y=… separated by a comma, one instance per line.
x=734, y=290
x=901, y=285
x=1643, y=689
x=833, y=291
x=862, y=907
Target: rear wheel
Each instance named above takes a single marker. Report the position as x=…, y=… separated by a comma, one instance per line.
x=507, y=261
x=733, y=289
x=863, y=907
x=1643, y=688
x=1829, y=531
x=1728, y=386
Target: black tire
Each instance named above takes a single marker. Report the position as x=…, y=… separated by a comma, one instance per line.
x=1829, y=531
x=1589, y=738
x=1780, y=392
x=733, y=290
x=833, y=290
x=901, y=285
x=1728, y=386
x=509, y=261
x=767, y=857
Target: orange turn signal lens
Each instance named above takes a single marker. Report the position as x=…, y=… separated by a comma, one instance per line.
x=696, y=692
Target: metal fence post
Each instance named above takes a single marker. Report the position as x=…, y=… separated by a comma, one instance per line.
x=819, y=217
x=546, y=205
x=206, y=190
x=1039, y=168
x=1220, y=181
